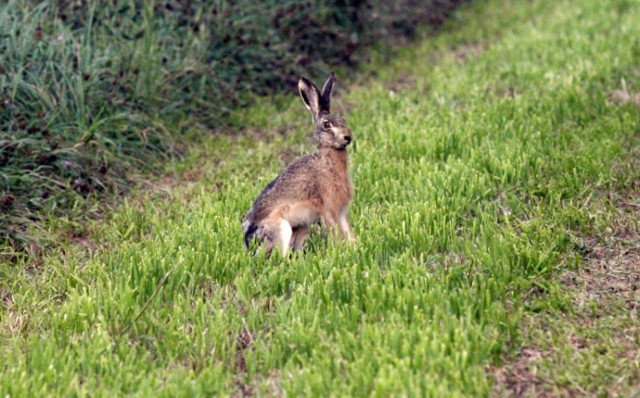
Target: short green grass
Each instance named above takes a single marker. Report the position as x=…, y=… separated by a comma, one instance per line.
x=479, y=159
x=94, y=94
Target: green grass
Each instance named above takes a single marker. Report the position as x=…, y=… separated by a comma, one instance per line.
x=482, y=160
x=95, y=97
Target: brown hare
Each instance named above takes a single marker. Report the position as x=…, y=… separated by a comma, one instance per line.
x=312, y=188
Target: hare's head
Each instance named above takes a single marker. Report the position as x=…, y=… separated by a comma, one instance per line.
x=331, y=130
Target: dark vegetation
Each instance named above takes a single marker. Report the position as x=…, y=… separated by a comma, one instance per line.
x=93, y=94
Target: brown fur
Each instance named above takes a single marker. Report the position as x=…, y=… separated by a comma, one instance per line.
x=312, y=188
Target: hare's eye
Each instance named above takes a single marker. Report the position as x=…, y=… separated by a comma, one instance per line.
x=326, y=125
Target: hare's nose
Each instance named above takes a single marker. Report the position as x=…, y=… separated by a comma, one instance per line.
x=347, y=139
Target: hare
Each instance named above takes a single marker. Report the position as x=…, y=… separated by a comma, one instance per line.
x=312, y=188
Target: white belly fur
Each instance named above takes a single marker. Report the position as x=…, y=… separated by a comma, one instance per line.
x=300, y=214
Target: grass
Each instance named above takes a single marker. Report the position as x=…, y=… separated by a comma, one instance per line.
x=593, y=346
x=93, y=96
x=482, y=164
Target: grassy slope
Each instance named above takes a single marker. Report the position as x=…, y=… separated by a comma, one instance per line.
x=475, y=177
x=91, y=96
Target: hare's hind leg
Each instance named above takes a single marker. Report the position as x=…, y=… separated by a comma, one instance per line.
x=285, y=235
x=277, y=232
x=300, y=234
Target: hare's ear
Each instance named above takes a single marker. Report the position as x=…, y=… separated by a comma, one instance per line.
x=325, y=97
x=310, y=96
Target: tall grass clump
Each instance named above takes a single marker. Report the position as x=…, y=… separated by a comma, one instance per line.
x=94, y=93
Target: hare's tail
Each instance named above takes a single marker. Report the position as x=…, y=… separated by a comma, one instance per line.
x=250, y=230
x=248, y=236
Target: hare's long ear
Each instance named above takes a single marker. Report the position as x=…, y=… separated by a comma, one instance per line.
x=310, y=96
x=325, y=97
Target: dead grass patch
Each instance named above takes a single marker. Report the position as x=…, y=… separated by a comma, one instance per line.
x=566, y=351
